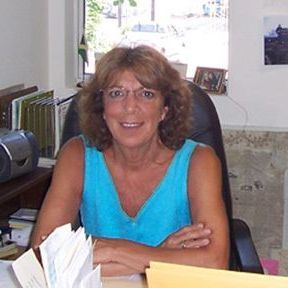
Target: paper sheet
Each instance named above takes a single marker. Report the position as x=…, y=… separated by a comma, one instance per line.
x=93, y=279
x=67, y=259
x=29, y=271
x=7, y=277
x=49, y=249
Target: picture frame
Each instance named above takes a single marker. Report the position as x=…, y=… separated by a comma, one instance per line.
x=211, y=80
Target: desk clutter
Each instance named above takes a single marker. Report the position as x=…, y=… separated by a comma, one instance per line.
x=18, y=231
x=7, y=247
x=67, y=261
x=22, y=223
x=39, y=111
x=66, y=257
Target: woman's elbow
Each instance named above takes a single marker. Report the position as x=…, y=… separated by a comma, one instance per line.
x=219, y=261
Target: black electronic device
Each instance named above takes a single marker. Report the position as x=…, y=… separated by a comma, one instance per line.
x=19, y=153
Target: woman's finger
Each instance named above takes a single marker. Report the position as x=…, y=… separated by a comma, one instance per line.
x=195, y=243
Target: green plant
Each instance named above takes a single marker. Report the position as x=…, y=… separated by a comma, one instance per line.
x=95, y=39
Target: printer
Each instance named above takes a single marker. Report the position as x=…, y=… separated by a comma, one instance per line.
x=19, y=153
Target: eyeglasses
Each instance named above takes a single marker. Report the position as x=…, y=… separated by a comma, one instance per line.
x=119, y=93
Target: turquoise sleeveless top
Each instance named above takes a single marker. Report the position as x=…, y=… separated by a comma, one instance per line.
x=165, y=211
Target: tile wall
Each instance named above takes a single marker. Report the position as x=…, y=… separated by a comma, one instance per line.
x=257, y=161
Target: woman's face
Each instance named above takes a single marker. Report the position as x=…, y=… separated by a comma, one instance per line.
x=132, y=113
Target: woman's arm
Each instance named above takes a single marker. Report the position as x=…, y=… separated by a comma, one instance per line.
x=62, y=201
x=194, y=236
x=207, y=207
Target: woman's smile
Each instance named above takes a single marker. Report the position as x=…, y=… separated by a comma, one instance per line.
x=131, y=124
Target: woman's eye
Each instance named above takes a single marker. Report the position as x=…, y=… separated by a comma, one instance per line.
x=148, y=94
x=116, y=93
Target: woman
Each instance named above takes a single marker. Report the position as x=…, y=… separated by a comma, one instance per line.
x=144, y=192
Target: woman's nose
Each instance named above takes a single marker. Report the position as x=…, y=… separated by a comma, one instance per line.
x=130, y=103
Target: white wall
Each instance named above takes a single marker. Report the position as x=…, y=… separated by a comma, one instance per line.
x=38, y=43
x=39, y=46
x=256, y=92
x=23, y=36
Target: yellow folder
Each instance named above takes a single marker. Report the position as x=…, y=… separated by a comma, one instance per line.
x=166, y=275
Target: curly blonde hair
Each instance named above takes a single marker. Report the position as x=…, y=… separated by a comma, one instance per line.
x=153, y=71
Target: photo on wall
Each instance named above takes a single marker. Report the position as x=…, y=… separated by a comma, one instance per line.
x=276, y=40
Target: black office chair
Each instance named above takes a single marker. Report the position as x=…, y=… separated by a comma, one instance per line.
x=206, y=130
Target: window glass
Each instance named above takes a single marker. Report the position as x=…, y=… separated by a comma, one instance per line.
x=185, y=31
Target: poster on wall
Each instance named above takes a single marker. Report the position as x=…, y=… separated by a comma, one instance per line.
x=276, y=40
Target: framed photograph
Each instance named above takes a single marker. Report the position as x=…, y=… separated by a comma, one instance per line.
x=210, y=79
x=276, y=40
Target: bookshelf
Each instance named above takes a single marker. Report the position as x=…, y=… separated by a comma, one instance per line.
x=38, y=111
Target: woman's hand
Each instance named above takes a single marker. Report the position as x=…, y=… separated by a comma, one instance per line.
x=106, y=252
x=192, y=236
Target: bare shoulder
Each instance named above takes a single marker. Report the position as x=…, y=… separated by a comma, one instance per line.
x=204, y=156
x=73, y=147
x=70, y=162
x=204, y=172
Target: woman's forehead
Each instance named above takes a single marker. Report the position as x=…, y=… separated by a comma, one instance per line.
x=124, y=76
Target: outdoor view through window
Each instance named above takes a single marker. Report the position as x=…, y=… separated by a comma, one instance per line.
x=192, y=32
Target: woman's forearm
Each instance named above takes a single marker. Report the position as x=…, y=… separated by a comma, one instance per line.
x=139, y=256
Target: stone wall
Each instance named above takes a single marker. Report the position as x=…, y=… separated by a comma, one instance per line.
x=257, y=161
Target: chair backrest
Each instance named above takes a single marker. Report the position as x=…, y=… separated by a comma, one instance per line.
x=206, y=129
x=71, y=125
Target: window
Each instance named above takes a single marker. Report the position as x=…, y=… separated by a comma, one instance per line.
x=190, y=32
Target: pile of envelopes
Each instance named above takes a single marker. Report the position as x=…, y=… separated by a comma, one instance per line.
x=161, y=275
x=67, y=261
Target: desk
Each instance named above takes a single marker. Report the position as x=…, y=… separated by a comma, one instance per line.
x=7, y=279
x=123, y=282
x=25, y=191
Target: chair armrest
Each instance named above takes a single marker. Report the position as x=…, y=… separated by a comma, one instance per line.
x=248, y=259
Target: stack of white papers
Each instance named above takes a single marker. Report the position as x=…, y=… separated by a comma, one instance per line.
x=67, y=260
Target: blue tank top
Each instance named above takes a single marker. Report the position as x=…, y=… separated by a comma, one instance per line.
x=165, y=211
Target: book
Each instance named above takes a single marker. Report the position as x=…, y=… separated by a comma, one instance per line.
x=15, y=108
x=19, y=224
x=61, y=108
x=48, y=111
x=8, y=248
x=6, y=104
x=24, y=102
x=67, y=261
x=25, y=214
x=11, y=89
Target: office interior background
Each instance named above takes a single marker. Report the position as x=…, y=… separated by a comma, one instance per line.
x=39, y=46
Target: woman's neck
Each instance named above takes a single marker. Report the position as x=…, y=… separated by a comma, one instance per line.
x=138, y=157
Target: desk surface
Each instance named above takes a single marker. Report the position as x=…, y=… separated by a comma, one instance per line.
x=123, y=282
x=8, y=279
